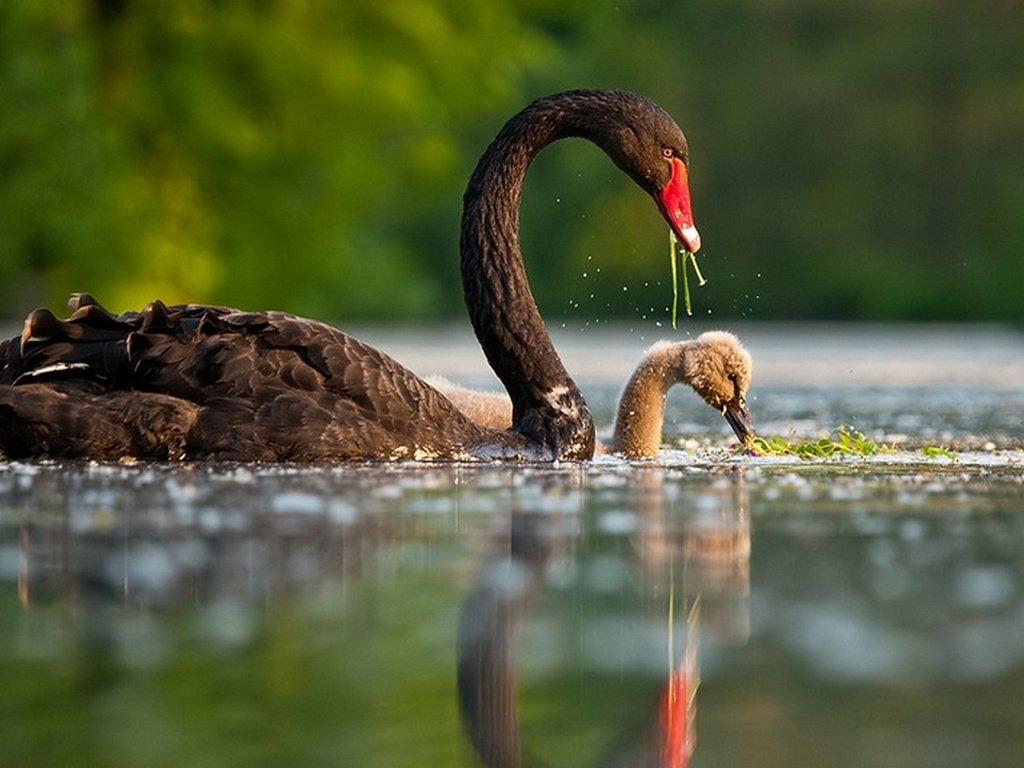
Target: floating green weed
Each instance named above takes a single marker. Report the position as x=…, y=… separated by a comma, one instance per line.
x=688, y=256
x=842, y=441
x=935, y=452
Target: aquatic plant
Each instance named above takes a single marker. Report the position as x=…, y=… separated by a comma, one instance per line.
x=937, y=452
x=688, y=257
x=842, y=440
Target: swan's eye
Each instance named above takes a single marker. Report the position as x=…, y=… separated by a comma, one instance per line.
x=668, y=153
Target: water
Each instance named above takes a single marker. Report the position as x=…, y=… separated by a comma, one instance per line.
x=861, y=612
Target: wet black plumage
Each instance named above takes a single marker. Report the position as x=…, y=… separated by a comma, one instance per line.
x=211, y=382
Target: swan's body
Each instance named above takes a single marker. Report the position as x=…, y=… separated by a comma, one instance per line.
x=204, y=382
x=246, y=386
x=714, y=364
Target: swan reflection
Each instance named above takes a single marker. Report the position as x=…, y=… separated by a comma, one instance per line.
x=574, y=622
x=678, y=563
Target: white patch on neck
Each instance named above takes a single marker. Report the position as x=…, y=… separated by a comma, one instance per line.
x=558, y=399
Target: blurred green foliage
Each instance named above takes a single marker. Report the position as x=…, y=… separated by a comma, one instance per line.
x=850, y=161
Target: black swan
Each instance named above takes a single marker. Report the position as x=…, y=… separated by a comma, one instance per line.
x=715, y=365
x=200, y=382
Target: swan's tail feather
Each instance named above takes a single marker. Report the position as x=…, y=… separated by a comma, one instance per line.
x=86, y=351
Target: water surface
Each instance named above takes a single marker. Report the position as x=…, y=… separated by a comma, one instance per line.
x=772, y=612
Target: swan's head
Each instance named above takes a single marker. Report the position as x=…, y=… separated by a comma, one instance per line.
x=646, y=143
x=718, y=368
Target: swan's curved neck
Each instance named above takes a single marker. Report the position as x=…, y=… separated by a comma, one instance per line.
x=547, y=404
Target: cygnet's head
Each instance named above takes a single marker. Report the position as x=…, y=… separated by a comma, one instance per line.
x=718, y=368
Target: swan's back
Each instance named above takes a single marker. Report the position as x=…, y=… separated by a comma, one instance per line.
x=192, y=381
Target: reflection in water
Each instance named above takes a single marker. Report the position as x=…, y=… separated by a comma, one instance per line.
x=717, y=551
x=134, y=572
x=711, y=554
x=272, y=616
x=713, y=543
x=487, y=640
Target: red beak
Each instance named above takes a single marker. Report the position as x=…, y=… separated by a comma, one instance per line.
x=674, y=202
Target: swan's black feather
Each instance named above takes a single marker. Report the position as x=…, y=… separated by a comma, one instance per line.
x=211, y=382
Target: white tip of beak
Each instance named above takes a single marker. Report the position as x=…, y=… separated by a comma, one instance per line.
x=691, y=239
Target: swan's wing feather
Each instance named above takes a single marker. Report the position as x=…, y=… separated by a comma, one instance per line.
x=260, y=355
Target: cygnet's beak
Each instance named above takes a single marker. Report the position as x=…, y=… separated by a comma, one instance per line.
x=736, y=413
